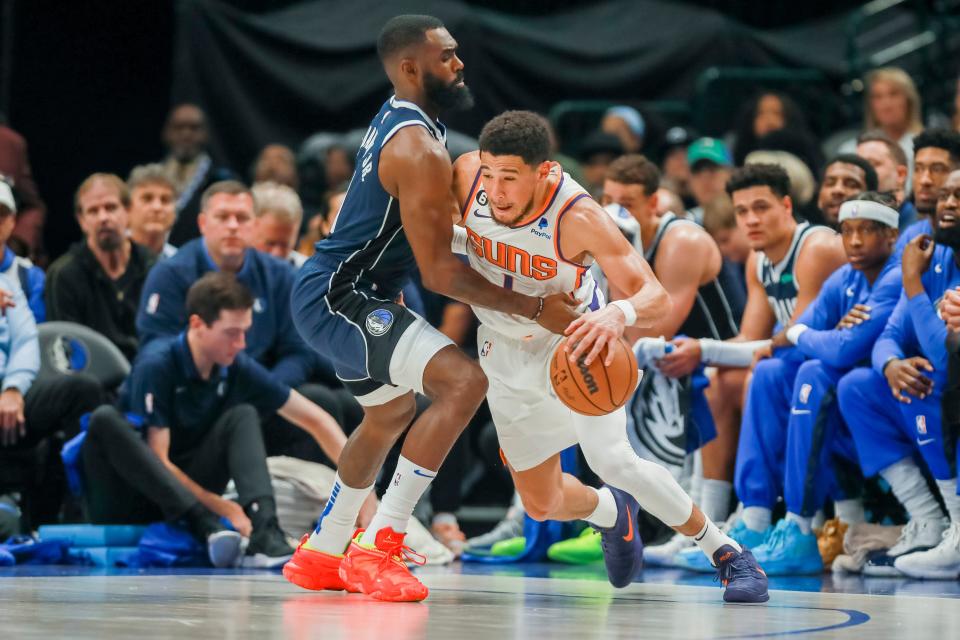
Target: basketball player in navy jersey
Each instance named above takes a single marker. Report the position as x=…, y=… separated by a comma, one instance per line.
x=396, y=216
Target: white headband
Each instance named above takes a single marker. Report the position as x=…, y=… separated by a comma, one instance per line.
x=869, y=211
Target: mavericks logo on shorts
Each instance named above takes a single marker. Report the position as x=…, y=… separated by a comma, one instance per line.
x=379, y=321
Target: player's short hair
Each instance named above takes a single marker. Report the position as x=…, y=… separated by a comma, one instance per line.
x=760, y=175
x=109, y=178
x=215, y=292
x=939, y=139
x=876, y=135
x=150, y=174
x=718, y=215
x=882, y=197
x=635, y=169
x=278, y=200
x=869, y=173
x=517, y=133
x=403, y=31
x=232, y=187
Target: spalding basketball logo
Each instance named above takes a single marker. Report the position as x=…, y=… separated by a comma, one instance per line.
x=379, y=321
x=68, y=355
x=588, y=380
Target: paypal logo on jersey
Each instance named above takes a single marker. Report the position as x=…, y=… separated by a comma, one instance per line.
x=539, y=231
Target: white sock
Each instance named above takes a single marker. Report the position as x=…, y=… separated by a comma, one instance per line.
x=715, y=499
x=910, y=487
x=605, y=515
x=339, y=518
x=805, y=524
x=850, y=511
x=409, y=482
x=710, y=538
x=948, y=491
x=757, y=518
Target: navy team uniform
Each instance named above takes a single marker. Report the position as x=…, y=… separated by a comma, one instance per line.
x=793, y=435
x=887, y=431
x=344, y=297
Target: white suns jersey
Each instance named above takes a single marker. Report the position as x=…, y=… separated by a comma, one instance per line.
x=526, y=258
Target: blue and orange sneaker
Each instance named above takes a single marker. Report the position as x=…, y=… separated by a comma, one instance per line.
x=743, y=579
x=315, y=570
x=693, y=559
x=380, y=571
x=621, y=543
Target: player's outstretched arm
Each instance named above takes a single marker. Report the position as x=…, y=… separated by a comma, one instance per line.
x=417, y=171
x=588, y=231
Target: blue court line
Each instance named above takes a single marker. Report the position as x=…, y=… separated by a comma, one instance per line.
x=854, y=617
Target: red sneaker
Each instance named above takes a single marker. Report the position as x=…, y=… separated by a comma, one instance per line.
x=380, y=571
x=315, y=570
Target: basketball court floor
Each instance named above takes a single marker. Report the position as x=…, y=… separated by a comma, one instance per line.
x=466, y=602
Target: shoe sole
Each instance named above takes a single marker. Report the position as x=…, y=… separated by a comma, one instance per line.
x=377, y=594
x=224, y=549
x=931, y=575
x=766, y=598
x=261, y=561
x=299, y=576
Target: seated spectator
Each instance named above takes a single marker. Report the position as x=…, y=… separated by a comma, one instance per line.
x=890, y=162
x=97, y=283
x=891, y=103
x=597, y=151
x=276, y=163
x=15, y=165
x=190, y=167
x=844, y=177
x=674, y=165
x=627, y=124
x=31, y=409
x=198, y=395
x=320, y=225
x=768, y=113
x=669, y=202
x=227, y=222
x=710, y=167
x=936, y=152
x=894, y=407
x=20, y=272
x=276, y=226
x=337, y=166
x=152, y=208
x=793, y=442
x=721, y=223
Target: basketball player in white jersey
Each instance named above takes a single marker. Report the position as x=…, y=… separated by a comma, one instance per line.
x=529, y=227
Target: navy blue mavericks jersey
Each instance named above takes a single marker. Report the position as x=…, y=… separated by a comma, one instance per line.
x=368, y=248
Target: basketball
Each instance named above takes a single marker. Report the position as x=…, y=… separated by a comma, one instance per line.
x=594, y=390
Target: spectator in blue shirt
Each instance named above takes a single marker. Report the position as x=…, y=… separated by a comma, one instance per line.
x=227, y=227
x=20, y=272
x=198, y=395
x=31, y=409
x=890, y=162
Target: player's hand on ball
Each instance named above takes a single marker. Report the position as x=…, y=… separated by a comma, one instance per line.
x=559, y=310
x=592, y=331
x=682, y=360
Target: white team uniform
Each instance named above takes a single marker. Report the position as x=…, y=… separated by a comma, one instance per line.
x=515, y=352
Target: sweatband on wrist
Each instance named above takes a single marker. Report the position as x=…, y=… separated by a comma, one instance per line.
x=729, y=354
x=793, y=333
x=629, y=313
x=458, y=244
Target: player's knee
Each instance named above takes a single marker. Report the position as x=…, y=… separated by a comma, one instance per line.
x=105, y=422
x=850, y=386
x=767, y=371
x=468, y=386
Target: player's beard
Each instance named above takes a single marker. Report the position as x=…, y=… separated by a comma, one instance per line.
x=447, y=97
x=948, y=236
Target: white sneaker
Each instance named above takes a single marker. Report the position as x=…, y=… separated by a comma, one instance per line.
x=663, y=555
x=940, y=563
x=509, y=527
x=918, y=535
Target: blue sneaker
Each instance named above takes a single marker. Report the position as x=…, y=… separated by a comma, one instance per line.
x=789, y=551
x=693, y=559
x=742, y=578
x=621, y=543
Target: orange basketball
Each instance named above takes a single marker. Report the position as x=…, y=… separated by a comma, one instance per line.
x=595, y=390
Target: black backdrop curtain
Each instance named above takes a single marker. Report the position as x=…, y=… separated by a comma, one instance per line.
x=279, y=76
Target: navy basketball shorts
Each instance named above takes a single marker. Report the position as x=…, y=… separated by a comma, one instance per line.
x=379, y=349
